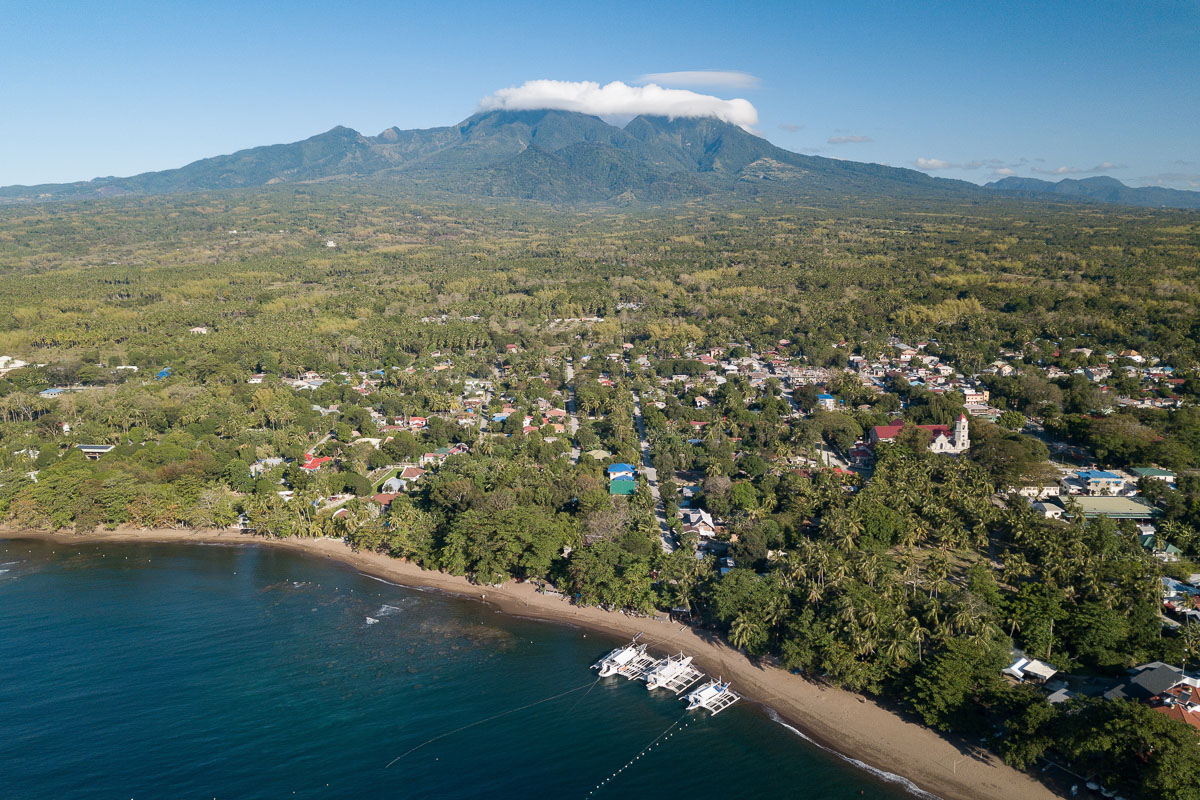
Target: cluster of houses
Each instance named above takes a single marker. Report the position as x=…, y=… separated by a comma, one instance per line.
x=1109, y=493
x=1158, y=381
x=918, y=368
x=546, y=415
x=1166, y=688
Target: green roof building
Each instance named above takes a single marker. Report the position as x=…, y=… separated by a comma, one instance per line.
x=622, y=487
x=1154, y=472
x=1115, y=507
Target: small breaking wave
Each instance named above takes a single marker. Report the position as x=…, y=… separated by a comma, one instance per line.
x=386, y=610
x=381, y=580
x=883, y=775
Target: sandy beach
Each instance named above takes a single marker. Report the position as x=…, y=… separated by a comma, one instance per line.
x=849, y=724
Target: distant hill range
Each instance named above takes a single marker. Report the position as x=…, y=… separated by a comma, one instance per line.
x=556, y=156
x=1101, y=189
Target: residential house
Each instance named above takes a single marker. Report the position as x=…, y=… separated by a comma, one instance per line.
x=313, y=463
x=439, y=456
x=264, y=465
x=623, y=485
x=699, y=522
x=1181, y=702
x=93, y=451
x=1148, y=681
x=1030, y=669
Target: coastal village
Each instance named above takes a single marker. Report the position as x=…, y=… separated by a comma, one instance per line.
x=669, y=431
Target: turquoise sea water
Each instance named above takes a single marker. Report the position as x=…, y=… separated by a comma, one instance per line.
x=184, y=671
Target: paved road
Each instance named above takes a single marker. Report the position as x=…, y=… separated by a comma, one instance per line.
x=665, y=534
x=830, y=458
x=572, y=418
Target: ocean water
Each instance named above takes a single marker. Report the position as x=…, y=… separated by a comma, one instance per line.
x=184, y=671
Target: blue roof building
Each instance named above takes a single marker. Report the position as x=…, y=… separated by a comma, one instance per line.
x=1098, y=475
x=616, y=469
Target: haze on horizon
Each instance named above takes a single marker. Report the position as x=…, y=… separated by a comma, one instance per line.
x=1067, y=89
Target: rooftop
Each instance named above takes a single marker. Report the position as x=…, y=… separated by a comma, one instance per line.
x=1116, y=507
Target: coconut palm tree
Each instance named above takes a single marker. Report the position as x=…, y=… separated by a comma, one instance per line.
x=743, y=631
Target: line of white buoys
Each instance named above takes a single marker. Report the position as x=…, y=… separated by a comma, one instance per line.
x=667, y=734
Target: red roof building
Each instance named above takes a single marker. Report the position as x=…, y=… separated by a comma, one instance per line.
x=312, y=462
x=944, y=438
x=1176, y=711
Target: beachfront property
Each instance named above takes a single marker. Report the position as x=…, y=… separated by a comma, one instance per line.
x=1148, y=681
x=1029, y=669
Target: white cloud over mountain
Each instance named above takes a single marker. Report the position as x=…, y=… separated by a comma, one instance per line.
x=619, y=101
x=704, y=77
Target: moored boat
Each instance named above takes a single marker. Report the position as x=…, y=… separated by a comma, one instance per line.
x=674, y=673
x=714, y=696
x=612, y=663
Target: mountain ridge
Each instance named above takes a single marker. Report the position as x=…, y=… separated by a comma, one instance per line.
x=549, y=155
x=1101, y=189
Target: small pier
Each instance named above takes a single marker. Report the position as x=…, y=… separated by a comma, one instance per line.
x=714, y=696
x=673, y=673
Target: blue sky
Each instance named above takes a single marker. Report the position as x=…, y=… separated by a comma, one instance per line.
x=968, y=90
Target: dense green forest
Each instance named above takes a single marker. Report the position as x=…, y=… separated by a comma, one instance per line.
x=911, y=580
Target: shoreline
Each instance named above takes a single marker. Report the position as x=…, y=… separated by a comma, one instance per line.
x=850, y=726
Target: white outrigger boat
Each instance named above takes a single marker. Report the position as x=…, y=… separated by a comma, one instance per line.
x=674, y=673
x=715, y=696
x=630, y=661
